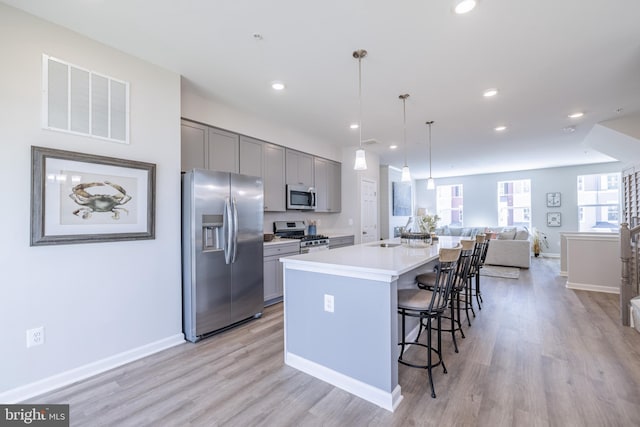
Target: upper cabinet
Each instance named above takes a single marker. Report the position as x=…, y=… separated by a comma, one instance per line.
x=328, y=185
x=193, y=148
x=251, y=156
x=259, y=158
x=299, y=168
x=204, y=147
x=274, y=178
x=334, y=182
x=224, y=151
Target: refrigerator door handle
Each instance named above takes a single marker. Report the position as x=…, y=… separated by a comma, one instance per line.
x=228, y=223
x=234, y=207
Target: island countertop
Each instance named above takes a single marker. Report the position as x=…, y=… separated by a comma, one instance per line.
x=372, y=258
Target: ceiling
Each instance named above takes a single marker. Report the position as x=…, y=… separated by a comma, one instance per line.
x=548, y=58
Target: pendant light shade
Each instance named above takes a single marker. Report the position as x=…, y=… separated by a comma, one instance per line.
x=361, y=160
x=431, y=184
x=406, y=174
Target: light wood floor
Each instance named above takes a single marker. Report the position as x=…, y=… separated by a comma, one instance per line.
x=537, y=354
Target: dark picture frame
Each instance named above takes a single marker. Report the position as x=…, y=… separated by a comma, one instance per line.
x=85, y=198
x=401, y=198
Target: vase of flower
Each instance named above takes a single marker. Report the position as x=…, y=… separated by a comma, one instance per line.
x=539, y=240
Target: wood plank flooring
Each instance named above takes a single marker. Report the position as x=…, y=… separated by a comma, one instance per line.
x=537, y=354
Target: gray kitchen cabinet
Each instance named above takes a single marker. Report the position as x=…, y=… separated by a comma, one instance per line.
x=299, y=168
x=273, y=269
x=334, y=184
x=193, y=147
x=342, y=241
x=328, y=184
x=251, y=156
x=205, y=147
x=224, y=151
x=320, y=170
x=259, y=158
x=274, y=178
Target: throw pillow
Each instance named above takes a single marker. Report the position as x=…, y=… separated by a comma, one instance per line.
x=506, y=235
x=521, y=235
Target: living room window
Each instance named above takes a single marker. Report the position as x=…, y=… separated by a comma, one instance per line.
x=514, y=203
x=449, y=204
x=599, y=202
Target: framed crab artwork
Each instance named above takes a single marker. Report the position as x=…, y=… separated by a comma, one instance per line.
x=84, y=198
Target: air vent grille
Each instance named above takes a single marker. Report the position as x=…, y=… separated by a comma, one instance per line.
x=84, y=102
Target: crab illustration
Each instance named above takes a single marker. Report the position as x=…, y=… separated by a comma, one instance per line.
x=99, y=202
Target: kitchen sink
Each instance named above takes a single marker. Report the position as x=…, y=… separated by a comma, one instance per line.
x=385, y=245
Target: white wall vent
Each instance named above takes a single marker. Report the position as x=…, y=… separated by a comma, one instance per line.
x=84, y=102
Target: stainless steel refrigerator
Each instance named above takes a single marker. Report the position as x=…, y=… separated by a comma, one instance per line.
x=222, y=241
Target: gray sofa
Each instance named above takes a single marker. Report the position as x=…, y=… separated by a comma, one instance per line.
x=509, y=246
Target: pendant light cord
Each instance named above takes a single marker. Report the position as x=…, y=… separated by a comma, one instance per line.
x=360, y=99
x=430, y=123
x=404, y=129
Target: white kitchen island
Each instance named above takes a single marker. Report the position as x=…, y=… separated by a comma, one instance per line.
x=340, y=314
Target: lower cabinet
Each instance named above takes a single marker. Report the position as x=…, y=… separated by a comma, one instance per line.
x=339, y=242
x=273, y=269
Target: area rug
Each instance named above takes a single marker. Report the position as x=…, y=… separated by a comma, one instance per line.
x=498, y=271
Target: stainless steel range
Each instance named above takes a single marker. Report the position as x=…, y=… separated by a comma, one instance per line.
x=295, y=230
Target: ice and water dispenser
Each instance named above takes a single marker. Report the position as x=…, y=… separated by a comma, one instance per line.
x=212, y=233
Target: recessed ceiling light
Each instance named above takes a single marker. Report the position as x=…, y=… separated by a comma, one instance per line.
x=393, y=147
x=576, y=115
x=464, y=6
x=500, y=128
x=277, y=85
x=490, y=92
x=354, y=126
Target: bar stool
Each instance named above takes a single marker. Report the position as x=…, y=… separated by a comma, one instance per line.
x=458, y=295
x=474, y=272
x=483, y=256
x=427, y=306
x=458, y=288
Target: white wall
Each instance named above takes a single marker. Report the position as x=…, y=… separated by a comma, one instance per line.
x=481, y=202
x=100, y=302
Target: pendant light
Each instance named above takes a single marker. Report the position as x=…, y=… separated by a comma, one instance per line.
x=361, y=160
x=431, y=185
x=406, y=174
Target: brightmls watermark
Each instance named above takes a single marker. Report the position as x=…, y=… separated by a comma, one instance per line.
x=34, y=415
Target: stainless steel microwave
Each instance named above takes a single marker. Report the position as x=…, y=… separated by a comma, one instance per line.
x=301, y=197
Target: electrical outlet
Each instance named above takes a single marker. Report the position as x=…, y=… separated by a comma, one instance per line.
x=35, y=336
x=328, y=303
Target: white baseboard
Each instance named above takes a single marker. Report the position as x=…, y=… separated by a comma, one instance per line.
x=594, y=288
x=383, y=399
x=549, y=255
x=53, y=382
x=564, y=273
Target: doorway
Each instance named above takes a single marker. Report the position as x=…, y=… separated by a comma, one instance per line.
x=368, y=211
